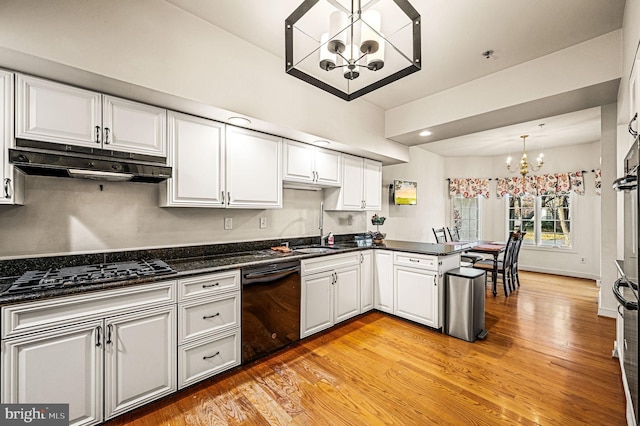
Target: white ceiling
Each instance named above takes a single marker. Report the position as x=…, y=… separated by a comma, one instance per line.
x=454, y=35
x=574, y=128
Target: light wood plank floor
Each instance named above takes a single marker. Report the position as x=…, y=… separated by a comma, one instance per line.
x=547, y=360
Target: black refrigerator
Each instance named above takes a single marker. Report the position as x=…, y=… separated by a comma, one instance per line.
x=626, y=287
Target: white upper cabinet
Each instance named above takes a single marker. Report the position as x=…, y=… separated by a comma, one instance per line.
x=361, y=186
x=12, y=185
x=372, y=184
x=196, y=154
x=308, y=164
x=58, y=113
x=134, y=127
x=253, y=169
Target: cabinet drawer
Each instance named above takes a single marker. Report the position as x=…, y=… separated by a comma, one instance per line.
x=203, y=317
x=35, y=316
x=207, y=285
x=416, y=260
x=205, y=358
x=326, y=263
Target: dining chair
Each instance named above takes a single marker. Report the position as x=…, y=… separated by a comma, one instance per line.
x=514, y=261
x=504, y=266
x=454, y=235
x=441, y=236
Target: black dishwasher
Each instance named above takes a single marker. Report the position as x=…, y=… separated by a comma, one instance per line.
x=270, y=308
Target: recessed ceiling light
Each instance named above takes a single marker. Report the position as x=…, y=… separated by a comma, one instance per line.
x=239, y=121
x=322, y=142
x=426, y=133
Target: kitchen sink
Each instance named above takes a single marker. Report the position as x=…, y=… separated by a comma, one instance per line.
x=316, y=249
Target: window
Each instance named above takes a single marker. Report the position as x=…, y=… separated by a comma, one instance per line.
x=546, y=219
x=466, y=217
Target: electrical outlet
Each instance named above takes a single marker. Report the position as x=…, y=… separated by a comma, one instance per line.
x=228, y=223
x=263, y=223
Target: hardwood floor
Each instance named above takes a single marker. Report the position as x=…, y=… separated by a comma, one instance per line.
x=547, y=360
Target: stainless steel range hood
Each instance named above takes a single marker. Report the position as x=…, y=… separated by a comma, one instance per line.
x=79, y=165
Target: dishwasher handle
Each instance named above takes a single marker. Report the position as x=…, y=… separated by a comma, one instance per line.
x=268, y=276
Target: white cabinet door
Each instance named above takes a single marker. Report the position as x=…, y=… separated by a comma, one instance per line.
x=298, y=162
x=134, y=127
x=12, y=184
x=366, y=280
x=54, y=112
x=346, y=293
x=140, y=358
x=196, y=153
x=372, y=181
x=57, y=366
x=416, y=295
x=328, y=167
x=254, y=172
x=352, y=198
x=317, y=303
x=383, y=280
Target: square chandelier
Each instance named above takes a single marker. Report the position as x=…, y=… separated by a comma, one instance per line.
x=352, y=47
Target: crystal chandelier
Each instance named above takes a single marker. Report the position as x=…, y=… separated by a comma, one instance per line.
x=525, y=165
x=339, y=45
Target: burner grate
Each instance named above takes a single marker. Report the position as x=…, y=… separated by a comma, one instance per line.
x=89, y=274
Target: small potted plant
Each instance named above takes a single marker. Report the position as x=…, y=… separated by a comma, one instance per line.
x=377, y=235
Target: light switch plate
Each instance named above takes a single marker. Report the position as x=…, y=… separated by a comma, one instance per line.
x=263, y=223
x=228, y=223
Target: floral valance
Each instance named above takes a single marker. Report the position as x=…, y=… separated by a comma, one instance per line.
x=554, y=183
x=469, y=187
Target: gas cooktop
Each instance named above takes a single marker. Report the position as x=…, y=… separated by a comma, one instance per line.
x=89, y=274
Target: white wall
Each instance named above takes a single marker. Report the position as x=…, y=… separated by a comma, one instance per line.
x=414, y=223
x=586, y=226
x=63, y=216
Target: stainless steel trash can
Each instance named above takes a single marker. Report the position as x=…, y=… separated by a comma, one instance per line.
x=465, y=293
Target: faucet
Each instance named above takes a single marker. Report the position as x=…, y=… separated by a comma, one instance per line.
x=323, y=238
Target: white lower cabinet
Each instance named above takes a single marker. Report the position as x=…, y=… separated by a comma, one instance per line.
x=418, y=283
x=331, y=293
x=366, y=281
x=209, y=326
x=62, y=366
x=383, y=280
x=416, y=295
x=140, y=359
x=101, y=365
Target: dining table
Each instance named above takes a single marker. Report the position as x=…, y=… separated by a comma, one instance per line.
x=493, y=248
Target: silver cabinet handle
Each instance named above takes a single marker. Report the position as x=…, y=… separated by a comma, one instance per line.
x=109, y=330
x=211, y=356
x=222, y=197
x=98, y=336
x=210, y=285
x=361, y=258
x=97, y=134
x=7, y=188
x=228, y=197
x=211, y=316
x=106, y=135
x=414, y=260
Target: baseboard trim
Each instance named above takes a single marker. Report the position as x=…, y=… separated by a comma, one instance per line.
x=573, y=274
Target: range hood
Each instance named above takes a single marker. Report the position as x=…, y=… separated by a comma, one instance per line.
x=66, y=164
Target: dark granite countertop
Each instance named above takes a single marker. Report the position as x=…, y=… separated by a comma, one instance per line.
x=189, y=261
